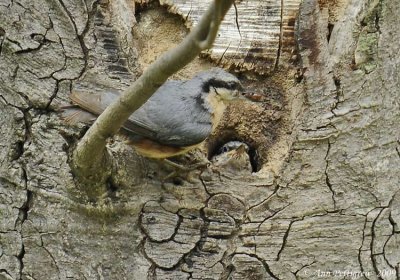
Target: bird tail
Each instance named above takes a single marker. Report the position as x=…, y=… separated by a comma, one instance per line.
x=87, y=106
x=72, y=115
x=94, y=103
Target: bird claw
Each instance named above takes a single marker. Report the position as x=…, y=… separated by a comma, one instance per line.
x=186, y=170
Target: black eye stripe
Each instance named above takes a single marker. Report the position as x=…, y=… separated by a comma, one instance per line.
x=216, y=91
x=220, y=84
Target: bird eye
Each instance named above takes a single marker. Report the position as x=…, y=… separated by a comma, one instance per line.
x=223, y=149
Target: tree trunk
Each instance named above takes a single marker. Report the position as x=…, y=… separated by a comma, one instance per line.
x=324, y=139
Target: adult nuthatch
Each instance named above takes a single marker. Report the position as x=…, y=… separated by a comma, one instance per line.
x=178, y=117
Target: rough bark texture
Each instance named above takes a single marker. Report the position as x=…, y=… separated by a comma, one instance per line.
x=325, y=203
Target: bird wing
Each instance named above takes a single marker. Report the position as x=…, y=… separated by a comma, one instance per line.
x=173, y=116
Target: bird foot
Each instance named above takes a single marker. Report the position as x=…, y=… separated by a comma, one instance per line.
x=186, y=170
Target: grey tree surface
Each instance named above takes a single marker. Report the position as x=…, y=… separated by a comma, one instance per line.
x=325, y=203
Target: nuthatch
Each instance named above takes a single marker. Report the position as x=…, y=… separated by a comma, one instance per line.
x=233, y=156
x=178, y=117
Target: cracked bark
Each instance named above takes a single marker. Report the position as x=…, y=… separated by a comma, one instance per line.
x=325, y=201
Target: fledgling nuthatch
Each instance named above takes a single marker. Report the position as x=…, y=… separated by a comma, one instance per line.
x=178, y=117
x=233, y=156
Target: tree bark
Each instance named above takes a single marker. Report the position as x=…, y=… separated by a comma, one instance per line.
x=324, y=203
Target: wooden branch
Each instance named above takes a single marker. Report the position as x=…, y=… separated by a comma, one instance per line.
x=90, y=152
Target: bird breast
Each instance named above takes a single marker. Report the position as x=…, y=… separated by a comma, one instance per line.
x=217, y=108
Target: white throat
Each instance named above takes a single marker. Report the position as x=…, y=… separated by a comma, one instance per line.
x=217, y=106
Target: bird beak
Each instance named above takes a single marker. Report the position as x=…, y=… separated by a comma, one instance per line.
x=242, y=149
x=252, y=96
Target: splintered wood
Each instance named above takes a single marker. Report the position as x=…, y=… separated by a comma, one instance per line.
x=255, y=35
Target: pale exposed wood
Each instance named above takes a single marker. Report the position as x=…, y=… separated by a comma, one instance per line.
x=253, y=37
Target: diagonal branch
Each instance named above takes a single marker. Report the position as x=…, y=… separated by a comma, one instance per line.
x=89, y=154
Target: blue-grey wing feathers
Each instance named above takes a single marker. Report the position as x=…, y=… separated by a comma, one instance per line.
x=175, y=115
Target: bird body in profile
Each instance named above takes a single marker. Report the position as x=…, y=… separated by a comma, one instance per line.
x=179, y=116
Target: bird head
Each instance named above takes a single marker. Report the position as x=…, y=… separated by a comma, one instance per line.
x=223, y=84
x=233, y=157
x=218, y=89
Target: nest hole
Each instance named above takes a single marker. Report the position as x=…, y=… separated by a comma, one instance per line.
x=216, y=143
